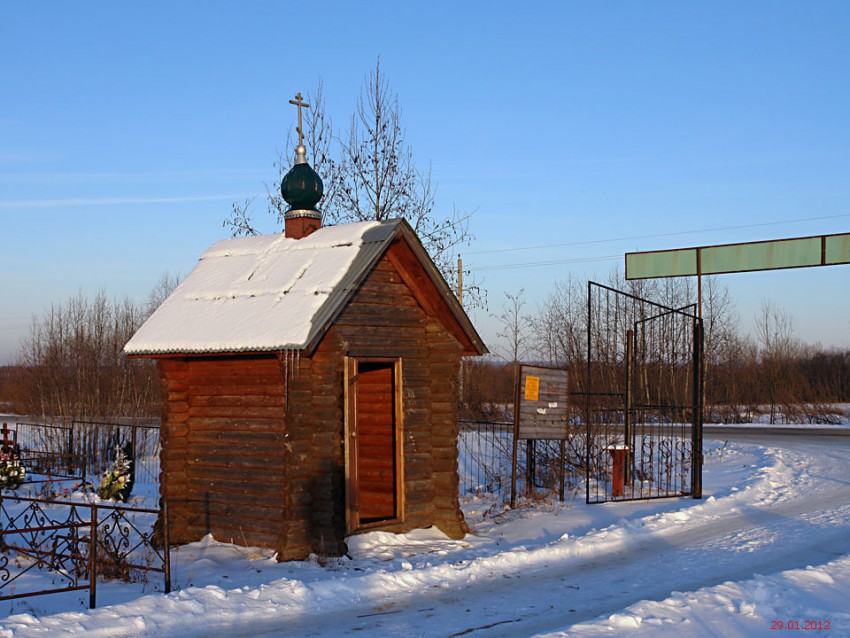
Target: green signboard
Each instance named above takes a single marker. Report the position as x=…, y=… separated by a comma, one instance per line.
x=800, y=252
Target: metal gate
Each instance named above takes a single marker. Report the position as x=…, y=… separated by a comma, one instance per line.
x=51, y=546
x=643, y=398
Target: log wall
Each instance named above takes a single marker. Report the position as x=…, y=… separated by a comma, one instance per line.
x=383, y=319
x=223, y=448
x=254, y=454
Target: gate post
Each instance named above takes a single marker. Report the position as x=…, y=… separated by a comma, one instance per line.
x=588, y=388
x=166, y=557
x=530, y=466
x=699, y=401
x=3, y=528
x=93, y=557
x=619, y=469
x=517, y=382
x=69, y=453
x=629, y=425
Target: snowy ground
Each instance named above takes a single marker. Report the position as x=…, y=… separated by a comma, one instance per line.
x=766, y=552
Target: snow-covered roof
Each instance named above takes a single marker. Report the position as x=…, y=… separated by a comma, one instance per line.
x=257, y=293
x=269, y=293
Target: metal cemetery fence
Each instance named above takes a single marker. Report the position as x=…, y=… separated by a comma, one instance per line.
x=76, y=542
x=87, y=448
x=484, y=457
x=484, y=460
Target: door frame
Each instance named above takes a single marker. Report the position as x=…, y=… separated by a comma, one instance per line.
x=352, y=509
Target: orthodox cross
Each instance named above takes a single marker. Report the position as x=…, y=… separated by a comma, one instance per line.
x=299, y=102
x=6, y=432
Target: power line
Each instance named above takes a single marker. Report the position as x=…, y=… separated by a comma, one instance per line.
x=555, y=262
x=684, y=232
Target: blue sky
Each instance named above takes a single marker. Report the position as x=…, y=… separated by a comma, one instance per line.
x=127, y=130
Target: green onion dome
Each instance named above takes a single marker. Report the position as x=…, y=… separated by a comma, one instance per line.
x=301, y=187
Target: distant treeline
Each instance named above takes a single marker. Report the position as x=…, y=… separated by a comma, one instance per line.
x=802, y=389
x=71, y=364
x=770, y=374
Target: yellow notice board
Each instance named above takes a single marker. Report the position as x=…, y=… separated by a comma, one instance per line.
x=532, y=388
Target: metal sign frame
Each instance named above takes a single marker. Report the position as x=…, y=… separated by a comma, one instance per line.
x=774, y=254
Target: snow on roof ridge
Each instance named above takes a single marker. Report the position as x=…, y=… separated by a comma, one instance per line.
x=257, y=244
x=253, y=293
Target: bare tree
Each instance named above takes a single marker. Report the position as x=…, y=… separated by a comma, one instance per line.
x=369, y=174
x=775, y=332
x=74, y=366
x=320, y=142
x=72, y=363
x=241, y=221
x=559, y=327
x=321, y=146
x=772, y=373
x=515, y=327
x=164, y=287
x=720, y=320
x=382, y=180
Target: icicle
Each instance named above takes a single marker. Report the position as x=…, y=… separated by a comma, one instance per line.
x=289, y=362
x=284, y=370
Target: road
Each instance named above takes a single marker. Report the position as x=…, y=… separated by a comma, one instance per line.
x=807, y=525
x=765, y=433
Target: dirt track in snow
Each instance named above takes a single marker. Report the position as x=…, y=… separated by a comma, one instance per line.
x=788, y=526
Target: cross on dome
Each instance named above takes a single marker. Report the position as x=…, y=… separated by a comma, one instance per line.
x=301, y=187
x=299, y=102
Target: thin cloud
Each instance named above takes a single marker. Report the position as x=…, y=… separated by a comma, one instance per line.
x=111, y=201
x=15, y=157
x=169, y=176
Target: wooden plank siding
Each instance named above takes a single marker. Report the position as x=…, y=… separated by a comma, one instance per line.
x=255, y=454
x=222, y=456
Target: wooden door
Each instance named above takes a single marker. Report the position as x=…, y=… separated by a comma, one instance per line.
x=374, y=443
